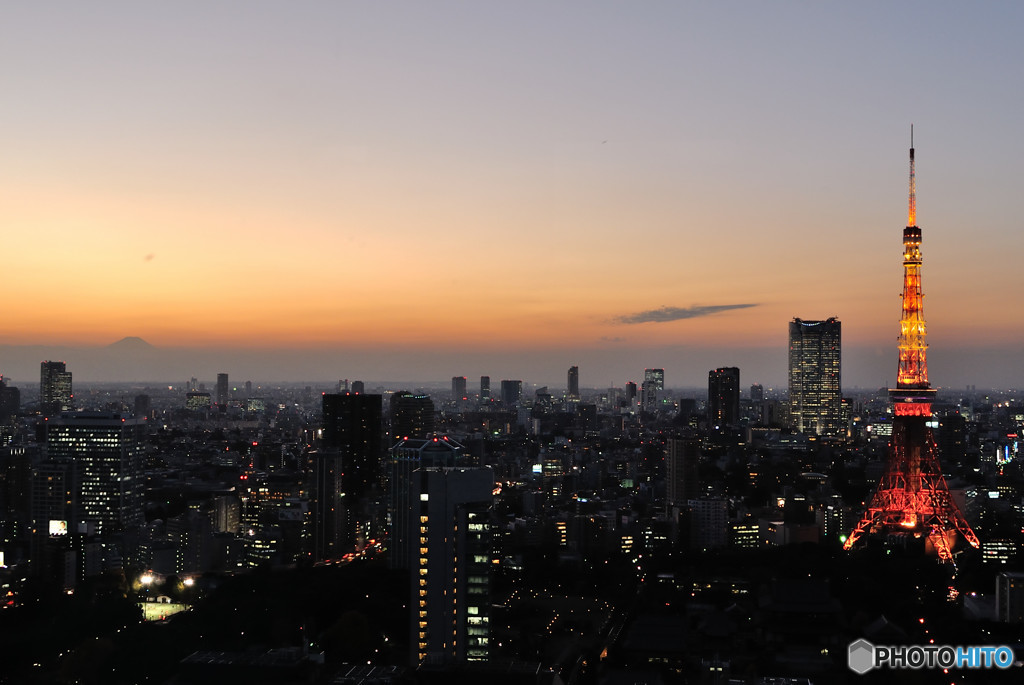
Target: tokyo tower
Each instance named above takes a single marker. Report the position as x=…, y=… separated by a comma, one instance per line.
x=912, y=496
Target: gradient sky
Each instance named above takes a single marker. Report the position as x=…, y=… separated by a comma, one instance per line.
x=425, y=189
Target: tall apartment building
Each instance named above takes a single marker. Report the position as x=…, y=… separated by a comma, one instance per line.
x=681, y=460
x=405, y=458
x=815, y=378
x=451, y=573
x=724, y=396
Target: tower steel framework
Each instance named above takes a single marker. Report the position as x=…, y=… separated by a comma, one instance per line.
x=912, y=496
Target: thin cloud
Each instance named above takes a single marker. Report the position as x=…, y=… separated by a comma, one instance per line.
x=676, y=313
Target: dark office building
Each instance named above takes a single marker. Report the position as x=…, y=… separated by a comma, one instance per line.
x=143, y=406
x=485, y=387
x=952, y=438
x=327, y=510
x=511, y=393
x=352, y=427
x=55, y=393
x=681, y=460
x=574, y=382
x=724, y=396
x=412, y=416
x=458, y=388
x=223, y=389
x=10, y=402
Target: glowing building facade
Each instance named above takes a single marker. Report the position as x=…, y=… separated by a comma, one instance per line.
x=815, y=376
x=107, y=453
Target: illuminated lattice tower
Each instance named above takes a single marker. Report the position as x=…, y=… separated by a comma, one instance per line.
x=912, y=496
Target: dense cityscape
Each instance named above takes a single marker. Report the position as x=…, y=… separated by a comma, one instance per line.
x=290, y=209
x=219, y=532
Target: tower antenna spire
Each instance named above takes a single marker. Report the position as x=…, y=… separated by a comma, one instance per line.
x=912, y=202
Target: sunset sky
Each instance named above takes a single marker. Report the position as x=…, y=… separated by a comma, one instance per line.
x=415, y=190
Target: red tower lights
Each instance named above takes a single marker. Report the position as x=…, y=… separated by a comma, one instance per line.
x=912, y=495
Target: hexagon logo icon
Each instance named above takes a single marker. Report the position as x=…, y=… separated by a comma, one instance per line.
x=861, y=656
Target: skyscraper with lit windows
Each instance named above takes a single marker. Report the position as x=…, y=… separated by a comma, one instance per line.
x=815, y=378
x=107, y=453
x=654, y=383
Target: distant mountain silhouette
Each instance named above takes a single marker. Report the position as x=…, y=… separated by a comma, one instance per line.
x=131, y=343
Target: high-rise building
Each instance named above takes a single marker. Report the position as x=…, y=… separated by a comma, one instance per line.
x=143, y=406
x=1010, y=597
x=358, y=387
x=327, y=510
x=197, y=401
x=815, y=388
x=107, y=452
x=630, y=393
x=223, y=389
x=412, y=416
x=724, y=396
x=574, y=382
x=406, y=457
x=681, y=458
x=709, y=523
x=511, y=392
x=485, y=387
x=352, y=427
x=756, y=393
x=10, y=402
x=55, y=393
x=654, y=383
x=458, y=388
x=451, y=579
x=52, y=497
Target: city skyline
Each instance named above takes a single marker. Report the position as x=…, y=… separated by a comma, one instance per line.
x=258, y=187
